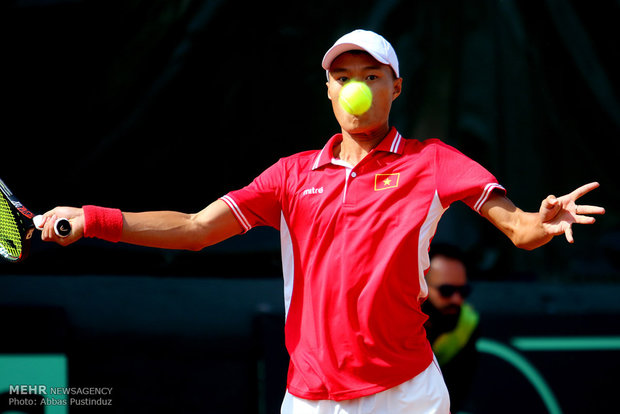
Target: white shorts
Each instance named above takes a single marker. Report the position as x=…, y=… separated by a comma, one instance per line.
x=426, y=393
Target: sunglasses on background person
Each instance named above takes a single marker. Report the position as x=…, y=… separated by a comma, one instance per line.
x=447, y=291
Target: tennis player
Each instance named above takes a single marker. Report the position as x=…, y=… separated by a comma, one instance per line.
x=355, y=218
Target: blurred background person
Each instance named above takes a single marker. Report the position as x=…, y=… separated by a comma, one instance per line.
x=452, y=326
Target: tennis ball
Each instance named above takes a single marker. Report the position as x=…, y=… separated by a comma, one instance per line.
x=355, y=97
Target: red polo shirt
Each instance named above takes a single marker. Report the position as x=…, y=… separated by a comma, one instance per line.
x=354, y=252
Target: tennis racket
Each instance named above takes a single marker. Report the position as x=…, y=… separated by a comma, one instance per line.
x=17, y=226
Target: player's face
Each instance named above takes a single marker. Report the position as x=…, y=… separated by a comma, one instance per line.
x=446, y=271
x=380, y=79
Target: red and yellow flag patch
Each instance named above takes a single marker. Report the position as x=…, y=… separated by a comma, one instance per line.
x=386, y=181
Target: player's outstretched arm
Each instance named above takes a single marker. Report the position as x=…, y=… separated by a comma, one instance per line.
x=162, y=229
x=556, y=216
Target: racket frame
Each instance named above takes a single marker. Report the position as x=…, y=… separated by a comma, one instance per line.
x=23, y=218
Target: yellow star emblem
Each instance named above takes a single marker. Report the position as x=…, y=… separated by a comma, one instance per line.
x=385, y=181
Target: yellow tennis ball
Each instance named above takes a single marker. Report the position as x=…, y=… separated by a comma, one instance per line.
x=355, y=97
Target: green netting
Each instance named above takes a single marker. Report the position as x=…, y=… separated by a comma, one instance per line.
x=10, y=240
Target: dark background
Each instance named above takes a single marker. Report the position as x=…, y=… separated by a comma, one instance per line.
x=170, y=104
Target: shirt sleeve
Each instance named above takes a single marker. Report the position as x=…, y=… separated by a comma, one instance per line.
x=461, y=178
x=258, y=204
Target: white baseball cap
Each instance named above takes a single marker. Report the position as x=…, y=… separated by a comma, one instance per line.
x=371, y=42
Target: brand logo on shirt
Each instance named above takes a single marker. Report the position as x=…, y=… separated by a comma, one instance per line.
x=313, y=191
x=386, y=181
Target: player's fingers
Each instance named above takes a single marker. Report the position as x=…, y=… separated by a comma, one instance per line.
x=41, y=219
x=589, y=210
x=47, y=233
x=584, y=189
x=584, y=219
x=569, y=234
x=550, y=202
x=549, y=207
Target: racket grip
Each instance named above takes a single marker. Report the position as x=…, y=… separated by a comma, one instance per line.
x=62, y=227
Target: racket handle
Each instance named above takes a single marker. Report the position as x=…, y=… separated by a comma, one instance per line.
x=62, y=227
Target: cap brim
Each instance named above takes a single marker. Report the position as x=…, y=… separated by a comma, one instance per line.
x=339, y=49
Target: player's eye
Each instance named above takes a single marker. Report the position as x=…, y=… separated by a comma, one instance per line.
x=371, y=77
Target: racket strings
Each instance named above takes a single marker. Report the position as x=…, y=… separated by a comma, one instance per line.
x=10, y=237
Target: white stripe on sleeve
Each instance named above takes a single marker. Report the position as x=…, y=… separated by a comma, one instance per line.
x=237, y=212
x=485, y=195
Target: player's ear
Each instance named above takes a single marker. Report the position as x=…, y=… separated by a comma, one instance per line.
x=398, y=88
x=328, y=91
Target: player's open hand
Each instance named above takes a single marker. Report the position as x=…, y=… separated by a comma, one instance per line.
x=559, y=214
x=45, y=223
